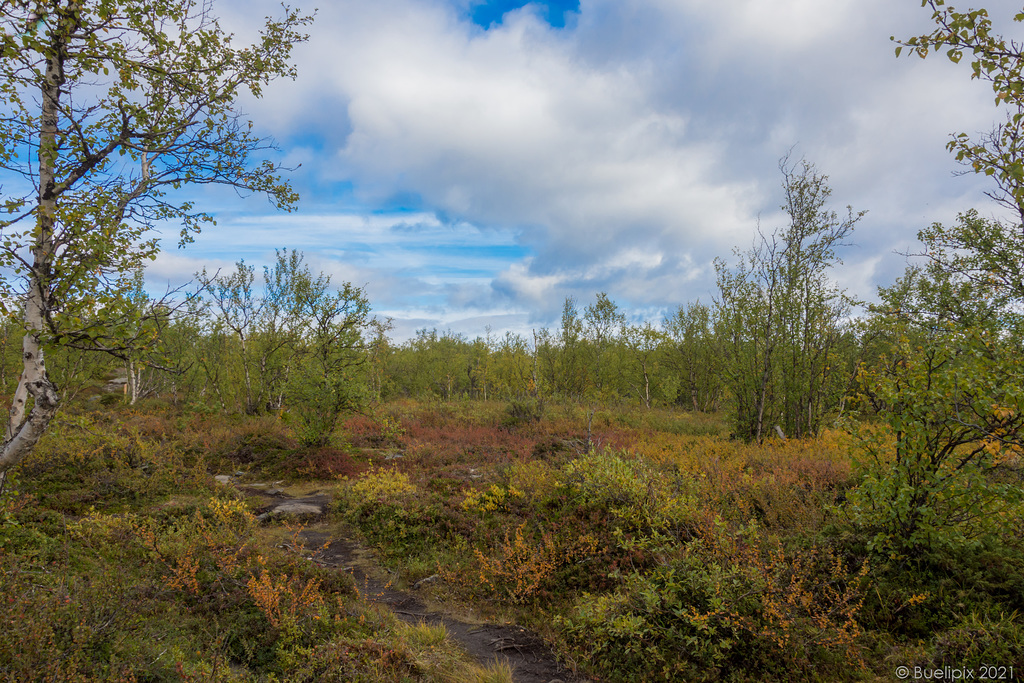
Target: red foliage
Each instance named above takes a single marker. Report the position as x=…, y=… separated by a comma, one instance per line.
x=363, y=431
x=327, y=463
x=459, y=443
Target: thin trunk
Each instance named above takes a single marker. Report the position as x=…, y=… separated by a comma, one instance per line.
x=647, y=389
x=134, y=376
x=247, y=378
x=23, y=431
x=535, y=364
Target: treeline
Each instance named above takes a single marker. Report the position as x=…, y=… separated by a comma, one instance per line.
x=778, y=343
x=232, y=346
x=778, y=346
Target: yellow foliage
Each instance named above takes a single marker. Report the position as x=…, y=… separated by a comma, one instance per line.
x=232, y=514
x=632, y=490
x=383, y=486
x=784, y=484
x=535, y=478
x=221, y=533
x=285, y=601
x=490, y=500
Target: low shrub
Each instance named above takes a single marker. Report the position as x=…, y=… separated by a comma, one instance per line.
x=520, y=566
x=523, y=411
x=632, y=490
x=386, y=506
x=726, y=607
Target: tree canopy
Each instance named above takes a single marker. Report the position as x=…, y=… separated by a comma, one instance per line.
x=1000, y=61
x=106, y=108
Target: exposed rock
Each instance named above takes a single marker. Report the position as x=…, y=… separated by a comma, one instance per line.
x=272, y=489
x=224, y=479
x=293, y=509
x=423, y=582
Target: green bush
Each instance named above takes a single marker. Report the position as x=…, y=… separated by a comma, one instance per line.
x=385, y=506
x=522, y=411
x=727, y=607
x=641, y=497
x=955, y=408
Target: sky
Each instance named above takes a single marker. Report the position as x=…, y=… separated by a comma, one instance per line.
x=472, y=164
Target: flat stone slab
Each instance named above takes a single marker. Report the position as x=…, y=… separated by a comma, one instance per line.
x=309, y=508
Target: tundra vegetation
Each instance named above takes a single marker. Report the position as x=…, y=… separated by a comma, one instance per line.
x=771, y=485
x=638, y=492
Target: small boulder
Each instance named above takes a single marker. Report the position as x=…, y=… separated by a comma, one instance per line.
x=293, y=510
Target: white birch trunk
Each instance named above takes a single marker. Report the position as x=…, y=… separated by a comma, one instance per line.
x=23, y=431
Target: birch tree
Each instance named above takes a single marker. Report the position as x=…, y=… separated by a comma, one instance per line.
x=781, y=315
x=106, y=107
x=998, y=60
x=695, y=357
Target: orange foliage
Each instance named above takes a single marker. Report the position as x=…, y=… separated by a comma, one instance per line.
x=285, y=601
x=519, y=566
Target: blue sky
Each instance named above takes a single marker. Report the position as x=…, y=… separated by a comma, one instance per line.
x=487, y=14
x=474, y=163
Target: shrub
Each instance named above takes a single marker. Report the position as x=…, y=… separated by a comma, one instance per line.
x=728, y=605
x=488, y=500
x=319, y=463
x=383, y=505
x=382, y=486
x=519, y=566
x=86, y=462
x=523, y=411
x=535, y=479
x=632, y=490
x=954, y=405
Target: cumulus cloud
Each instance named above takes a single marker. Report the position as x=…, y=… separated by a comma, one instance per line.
x=621, y=153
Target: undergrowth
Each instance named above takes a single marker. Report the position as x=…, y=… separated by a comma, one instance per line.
x=644, y=545
x=122, y=560
x=660, y=550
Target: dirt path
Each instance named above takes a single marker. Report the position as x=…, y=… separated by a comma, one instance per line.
x=530, y=659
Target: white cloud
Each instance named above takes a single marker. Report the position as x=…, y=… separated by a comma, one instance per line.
x=624, y=153
x=507, y=127
x=793, y=26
